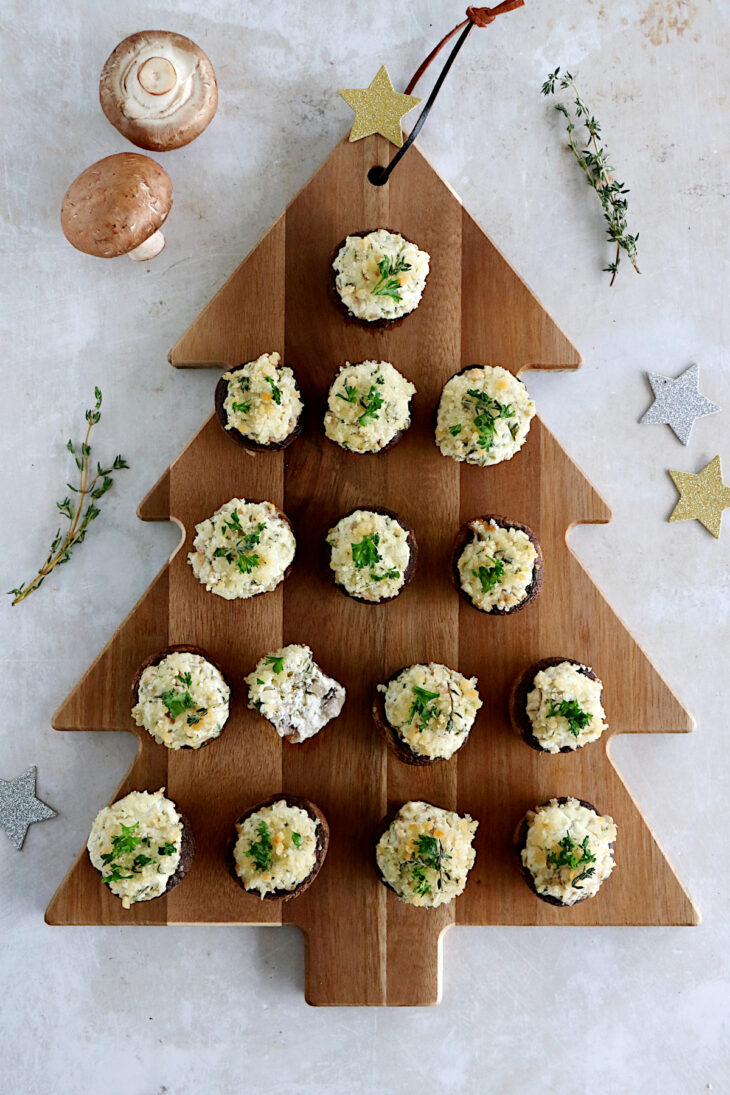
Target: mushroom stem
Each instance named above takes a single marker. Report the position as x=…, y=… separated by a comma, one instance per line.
x=157, y=75
x=149, y=248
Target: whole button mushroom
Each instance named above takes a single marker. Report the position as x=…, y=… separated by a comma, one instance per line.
x=116, y=207
x=158, y=89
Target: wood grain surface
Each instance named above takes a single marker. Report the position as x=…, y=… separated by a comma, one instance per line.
x=363, y=945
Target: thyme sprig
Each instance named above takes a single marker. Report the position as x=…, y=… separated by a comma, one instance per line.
x=92, y=485
x=594, y=160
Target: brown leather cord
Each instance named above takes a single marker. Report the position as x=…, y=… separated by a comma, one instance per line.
x=480, y=17
x=475, y=17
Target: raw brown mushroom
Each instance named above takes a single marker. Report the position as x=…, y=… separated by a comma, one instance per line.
x=158, y=89
x=116, y=207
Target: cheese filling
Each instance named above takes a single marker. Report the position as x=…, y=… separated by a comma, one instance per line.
x=564, y=708
x=135, y=844
x=263, y=400
x=138, y=103
x=568, y=850
x=484, y=416
x=496, y=567
x=368, y=404
x=370, y=555
x=182, y=700
x=276, y=848
x=290, y=690
x=426, y=854
x=380, y=275
x=243, y=549
x=432, y=708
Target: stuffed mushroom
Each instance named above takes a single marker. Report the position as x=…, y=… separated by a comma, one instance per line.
x=483, y=416
x=244, y=549
x=279, y=847
x=259, y=404
x=181, y=698
x=426, y=712
x=141, y=845
x=290, y=690
x=425, y=854
x=497, y=564
x=368, y=407
x=372, y=554
x=566, y=850
x=557, y=706
x=379, y=277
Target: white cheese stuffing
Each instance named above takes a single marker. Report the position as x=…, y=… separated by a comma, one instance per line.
x=496, y=567
x=380, y=275
x=137, y=842
x=426, y=854
x=263, y=401
x=245, y=548
x=565, y=684
x=568, y=833
x=484, y=416
x=368, y=404
x=182, y=700
x=276, y=848
x=370, y=555
x=290, y=690
x=432, y=708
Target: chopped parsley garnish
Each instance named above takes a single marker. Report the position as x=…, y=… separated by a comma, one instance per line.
x=297, y=840
x=246, y=563
x=350, y=395
x=242, y=557
x=252, y=537
x=233, y=524
x=276, y=392
x=141, y=861
x=420, y=707
x=577, y=718
x=260, y=850
x=259, y=681
x=488, y=411
x=124, y=843
x=388, y=284
x=277, y=663
x=366, y=554
x=177, y=702
x=573, y=855
x=490, y=576
x=429, y=853
x=242, y=407
x=372, y=403
x=200, y=713
x=392, y=574
x=115, y=876
x=455, y=430
x=166, y=849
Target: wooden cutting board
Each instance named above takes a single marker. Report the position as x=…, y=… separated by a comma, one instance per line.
x=363, y=945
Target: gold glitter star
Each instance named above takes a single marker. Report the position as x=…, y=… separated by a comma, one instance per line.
x=703, y=496
x=378, y=108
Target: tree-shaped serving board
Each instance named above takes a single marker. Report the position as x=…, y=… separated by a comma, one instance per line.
x=364, y=946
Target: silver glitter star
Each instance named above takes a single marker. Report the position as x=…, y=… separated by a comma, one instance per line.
x=19, y=807
x=678, y=402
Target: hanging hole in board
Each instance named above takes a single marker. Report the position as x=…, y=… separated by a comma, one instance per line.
x=378, y=175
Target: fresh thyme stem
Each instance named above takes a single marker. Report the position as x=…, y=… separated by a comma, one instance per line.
x=78, y=517
x=594, y=162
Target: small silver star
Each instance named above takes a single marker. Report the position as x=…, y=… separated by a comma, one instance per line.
x=678, y=402
x=19, y=807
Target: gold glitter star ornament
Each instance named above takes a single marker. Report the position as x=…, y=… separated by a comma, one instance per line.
x=703, y=496
x=378, y=108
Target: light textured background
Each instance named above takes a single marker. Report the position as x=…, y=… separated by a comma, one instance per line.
x=189, y=1010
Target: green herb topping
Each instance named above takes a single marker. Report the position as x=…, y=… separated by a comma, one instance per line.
x=573, y=855
x=277, y=663
x=391, y=574
x=577, y=718
x=488, y=412
x=429, y=853
x=126, y=844
x=241, y=554
x=366, y=554
x=276, y=392
x=490, y=576
x=350, y=395
x=166, y=849
x=242, y=407
x=296, y=840
x=372, y=403
x=455, y=430
x=260, y=850
x=387, y=284
x=420, y=706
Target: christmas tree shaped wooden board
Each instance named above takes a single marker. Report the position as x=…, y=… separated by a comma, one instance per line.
x=364, y=946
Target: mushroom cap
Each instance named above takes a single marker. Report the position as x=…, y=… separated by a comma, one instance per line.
x=158, y=89
x=116, y=204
